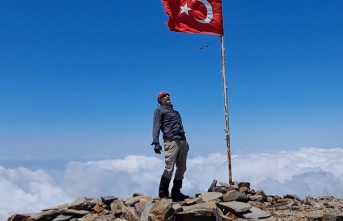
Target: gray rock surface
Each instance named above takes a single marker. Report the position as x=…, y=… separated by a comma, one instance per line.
x=224, y=202
x=237, y=207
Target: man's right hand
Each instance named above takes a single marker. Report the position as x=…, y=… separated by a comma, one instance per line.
x=158, y=149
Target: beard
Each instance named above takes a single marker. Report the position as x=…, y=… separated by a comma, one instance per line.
x=167, y=103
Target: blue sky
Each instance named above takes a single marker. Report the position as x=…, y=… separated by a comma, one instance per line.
x=79, y=80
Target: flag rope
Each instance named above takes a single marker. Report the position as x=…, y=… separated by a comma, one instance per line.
x=206, y=46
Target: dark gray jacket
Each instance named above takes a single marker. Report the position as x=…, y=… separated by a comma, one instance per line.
x=169, y=122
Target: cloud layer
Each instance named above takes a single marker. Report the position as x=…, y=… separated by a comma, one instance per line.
x=307, y=171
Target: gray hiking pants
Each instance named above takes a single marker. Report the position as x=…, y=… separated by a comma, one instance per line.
x=175, y=154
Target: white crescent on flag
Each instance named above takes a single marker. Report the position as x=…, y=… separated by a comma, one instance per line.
x=209, y=15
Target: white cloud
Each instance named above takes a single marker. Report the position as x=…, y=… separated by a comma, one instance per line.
x=23, y=190
x=307, y=171
x=113, y=177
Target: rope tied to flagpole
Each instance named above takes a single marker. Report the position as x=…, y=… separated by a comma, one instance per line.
x=206, y=46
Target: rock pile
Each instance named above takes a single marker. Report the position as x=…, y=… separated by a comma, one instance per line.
x=220, y=203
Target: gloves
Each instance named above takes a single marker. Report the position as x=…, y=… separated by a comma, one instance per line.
x=158, y=149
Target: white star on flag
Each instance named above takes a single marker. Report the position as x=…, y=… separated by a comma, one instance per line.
x=185, y=9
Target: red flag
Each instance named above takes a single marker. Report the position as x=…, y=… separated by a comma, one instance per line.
x=195, y=16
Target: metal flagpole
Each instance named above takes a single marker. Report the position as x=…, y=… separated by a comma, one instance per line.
x=226, y=110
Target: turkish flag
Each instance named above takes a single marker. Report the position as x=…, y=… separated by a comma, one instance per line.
x=195, y=16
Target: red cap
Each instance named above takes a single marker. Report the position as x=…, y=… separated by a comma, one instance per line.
x=160, y=95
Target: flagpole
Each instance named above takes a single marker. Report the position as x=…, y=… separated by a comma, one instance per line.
x=226, y=110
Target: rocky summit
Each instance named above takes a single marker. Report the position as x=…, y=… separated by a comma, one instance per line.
x=221, y=202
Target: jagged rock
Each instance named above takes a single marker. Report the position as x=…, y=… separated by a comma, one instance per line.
x=255, y=213
x=131, y=201
x=145, y=213
x=287, y=205
x=88, y=217
x=243, y=184
x=244, y=189
x=18, y=217
x=234, y=195
x=123, y=212
x=332, y=204
x=140, y=206
x=177, y=207
x=318, y=204
x=297, y=197
x=62, y=218
x=315, y=217
x=97, y=208
x=222, y=189
x=224, y=184
x=213, y=184
x=222, y=203
x=81, y=203
x=147, y=199
x=270, y=199
x=209, y=196
x=49, y=215
x=162, y=211
x=258, y=198
x=289, y=196
x=333, y=217
x=237, y=207
x=109, y=217
x=261, y=192
x=192, y=201
x=75, y=212
x=59, y=207
x=133, y=214
x=117, y=206
x=198, y=212
x=97, y=201
x=108, y=199
x=220, y=216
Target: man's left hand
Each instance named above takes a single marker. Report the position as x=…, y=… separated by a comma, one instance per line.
x=158, y=149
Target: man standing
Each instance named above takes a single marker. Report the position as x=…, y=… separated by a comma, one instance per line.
x=168, y=120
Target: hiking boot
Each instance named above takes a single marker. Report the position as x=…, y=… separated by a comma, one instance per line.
x=163, y=191
x=176, y=191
